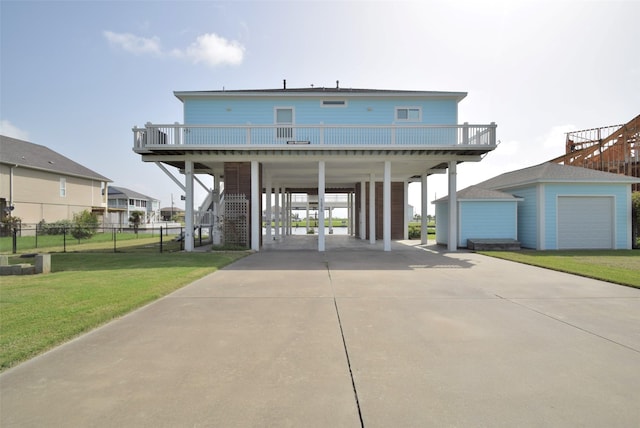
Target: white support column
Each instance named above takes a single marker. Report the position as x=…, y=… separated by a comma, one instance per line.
x=424, y=205
x=256, y=215
x=290, y=216
x=386, y=207
x=287, y=214
x=308, y=214
x=405, y=212
x=321, y=168
x=452, y=244
x=362, y=221
x=188, y=218
x=268, y=208
x=277, y=213
x=283, y=213
x=330, y=221
x=349, y=214
x=216, y=234
x=372, y=209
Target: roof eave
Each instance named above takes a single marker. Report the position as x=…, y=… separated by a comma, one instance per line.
x=182, y=95
x=53, y=171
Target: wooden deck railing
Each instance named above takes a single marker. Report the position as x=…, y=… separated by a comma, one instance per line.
x=156, y=137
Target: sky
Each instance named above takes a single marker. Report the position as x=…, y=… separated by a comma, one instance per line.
x=76, y=76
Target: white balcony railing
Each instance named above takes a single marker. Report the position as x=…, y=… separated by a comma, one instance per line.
x=228, y=136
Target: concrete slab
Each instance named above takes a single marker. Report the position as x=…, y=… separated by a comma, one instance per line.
x=282, y=338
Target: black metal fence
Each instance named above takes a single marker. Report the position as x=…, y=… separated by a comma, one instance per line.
x=25, y=238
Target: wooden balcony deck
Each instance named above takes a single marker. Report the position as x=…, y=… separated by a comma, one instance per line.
x=176, y=138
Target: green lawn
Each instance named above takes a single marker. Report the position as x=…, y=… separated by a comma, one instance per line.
x=618, y=266
x=85, y=290
x=105, y=242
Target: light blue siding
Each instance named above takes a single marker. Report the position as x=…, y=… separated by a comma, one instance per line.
x=620, y=193
x=527, y=216
x=486, y=219
x=442, y=223
x=308, y=111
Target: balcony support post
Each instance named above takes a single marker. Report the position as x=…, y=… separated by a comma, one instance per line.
x=372, y=208
x=423, y=208
x=321, y=179
x=188, y=206
x=255, y=206
x=386, y=207
x=452, y=244
x=363, y=215
x=277, y=213
x=405, y=211
x=268, y=208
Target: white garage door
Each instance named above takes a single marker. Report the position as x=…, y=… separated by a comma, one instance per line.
x=585, y=222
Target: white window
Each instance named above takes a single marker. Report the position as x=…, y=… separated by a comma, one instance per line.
x=409, y=114
x=284, y=116
x=63, y=187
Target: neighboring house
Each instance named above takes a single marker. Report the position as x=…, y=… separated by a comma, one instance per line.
x=562, y=207
x=123, y=202
x=482, y=214
x=41, y=184
x=171, y=214
x=273, y=143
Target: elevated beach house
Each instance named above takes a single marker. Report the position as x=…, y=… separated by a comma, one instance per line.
x=266, y=145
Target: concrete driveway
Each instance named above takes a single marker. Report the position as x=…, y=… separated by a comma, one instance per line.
x=350, y=338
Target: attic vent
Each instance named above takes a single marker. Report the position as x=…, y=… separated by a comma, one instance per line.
x=334, y=103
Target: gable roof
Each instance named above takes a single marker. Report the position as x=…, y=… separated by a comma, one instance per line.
x=34, y=156
x=128, y=193
x=320, y=92
x=553, y=173
x=476, y=193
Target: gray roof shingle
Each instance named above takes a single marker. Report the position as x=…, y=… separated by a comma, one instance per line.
x=551, y=172
x=128, y=193
x=29, y=155
x=479, y=193
x=324, y=91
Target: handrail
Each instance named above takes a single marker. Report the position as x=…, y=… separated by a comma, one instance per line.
x=160, y=136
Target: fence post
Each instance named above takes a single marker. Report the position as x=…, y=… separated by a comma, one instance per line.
x=114, y=233
x=200, y=234
x=64, y=239
x=15, y=240
x=36, y=236
x=183, y=238
x=160, y=239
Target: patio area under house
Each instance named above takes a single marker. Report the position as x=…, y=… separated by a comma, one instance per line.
x=273, y=151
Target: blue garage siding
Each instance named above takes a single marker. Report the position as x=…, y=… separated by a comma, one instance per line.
x=487, y=219
x=620, y=193
x=527, y=216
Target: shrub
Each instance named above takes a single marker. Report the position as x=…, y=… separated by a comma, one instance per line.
x=84, y=225
x=56, y=228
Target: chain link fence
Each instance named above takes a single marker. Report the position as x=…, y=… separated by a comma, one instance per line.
x=42, y=237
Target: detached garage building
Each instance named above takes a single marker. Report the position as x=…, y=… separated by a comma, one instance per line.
x=565, y=207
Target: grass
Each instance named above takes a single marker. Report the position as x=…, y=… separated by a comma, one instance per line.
x=617, y=266
x=86, y=290
x=100, y=241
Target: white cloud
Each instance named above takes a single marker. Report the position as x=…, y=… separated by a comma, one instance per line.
x=10, y=130
x=209, y=48
x=134, y=44
x=214, y=50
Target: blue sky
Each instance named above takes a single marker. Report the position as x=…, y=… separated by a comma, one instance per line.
x=76, y=76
